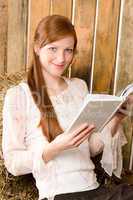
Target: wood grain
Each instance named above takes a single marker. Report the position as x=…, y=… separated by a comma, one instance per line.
x=125, y=69
x=17, y=26
x=106, y=42
x=3, y=34
x=62, y=7
x=84, y=25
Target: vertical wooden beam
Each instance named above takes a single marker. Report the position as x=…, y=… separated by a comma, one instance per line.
x=125, y=62
x=106, y=42
x=37, y=10
x=131, y=154
x=17, y=26
x=3, y=35
x=62, y=7
x=128, y=130
x=124, y=71
x=84, y=23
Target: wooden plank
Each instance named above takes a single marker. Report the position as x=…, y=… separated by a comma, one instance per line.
x=37, y=10
x=128, y=130
x=62, y=7
x=125, y=65
x=125, y=69
x=106, y=42
x=3, y=35
x=131, y=154
x=84, y=24
x=17, y=20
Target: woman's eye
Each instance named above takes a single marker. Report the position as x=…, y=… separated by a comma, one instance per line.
x=69, y=50
x=52, y=49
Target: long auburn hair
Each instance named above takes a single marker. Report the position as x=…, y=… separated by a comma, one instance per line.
x=50, y=29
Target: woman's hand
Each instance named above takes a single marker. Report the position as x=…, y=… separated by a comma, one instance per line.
x=121, y=114
x=126, y=108
x=67, y=141
x=73, y=139
x=130, y=99
x=130, y=105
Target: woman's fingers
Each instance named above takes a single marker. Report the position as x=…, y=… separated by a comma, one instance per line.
x=84, y=132
x=80, y=129
x=81, y=136
x=83, y=139
x=68, y=141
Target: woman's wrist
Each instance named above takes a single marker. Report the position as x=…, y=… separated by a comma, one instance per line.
x=115, y=123
x=50, y=151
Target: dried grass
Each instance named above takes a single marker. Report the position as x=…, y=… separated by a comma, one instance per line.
x=13, y=188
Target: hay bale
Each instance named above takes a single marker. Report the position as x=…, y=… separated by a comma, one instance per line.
x=13, y=188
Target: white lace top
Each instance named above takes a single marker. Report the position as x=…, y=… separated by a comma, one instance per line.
x=23, y=142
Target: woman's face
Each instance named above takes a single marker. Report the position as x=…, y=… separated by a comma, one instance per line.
x=55, y=57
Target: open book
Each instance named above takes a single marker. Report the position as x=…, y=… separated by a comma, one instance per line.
x=98, y=109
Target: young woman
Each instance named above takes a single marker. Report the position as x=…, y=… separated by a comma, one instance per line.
x=36, y=114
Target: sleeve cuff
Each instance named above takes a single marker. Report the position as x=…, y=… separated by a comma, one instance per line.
x=41, y=169
x=112, y=160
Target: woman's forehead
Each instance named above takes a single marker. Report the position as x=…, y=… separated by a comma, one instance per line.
x=66, y=41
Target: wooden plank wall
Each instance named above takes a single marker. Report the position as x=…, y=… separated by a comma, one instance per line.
x=3, y=35
x=106, y=41
x=104, y=30
x=84, y=22
x=124, y=70
x=16, y=35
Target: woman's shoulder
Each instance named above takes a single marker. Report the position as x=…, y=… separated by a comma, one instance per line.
x=78, y=82
x=17, y=98
x=16, y=90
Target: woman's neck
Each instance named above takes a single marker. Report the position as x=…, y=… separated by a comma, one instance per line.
x=55, y=85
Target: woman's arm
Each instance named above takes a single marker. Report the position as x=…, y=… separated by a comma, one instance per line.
x=17, y=158
x=67, y=141
x=115, y=123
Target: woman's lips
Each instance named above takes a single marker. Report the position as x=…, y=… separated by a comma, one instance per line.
x=58, y=65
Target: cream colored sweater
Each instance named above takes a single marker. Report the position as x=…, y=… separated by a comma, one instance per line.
x=23, y=143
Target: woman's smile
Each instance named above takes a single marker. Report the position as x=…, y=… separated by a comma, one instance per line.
x=60, y=66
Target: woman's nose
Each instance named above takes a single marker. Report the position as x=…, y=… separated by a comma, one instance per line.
x=60, y=56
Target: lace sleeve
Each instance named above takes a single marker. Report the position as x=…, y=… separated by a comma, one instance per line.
x=18, y=159
x=112, y=160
